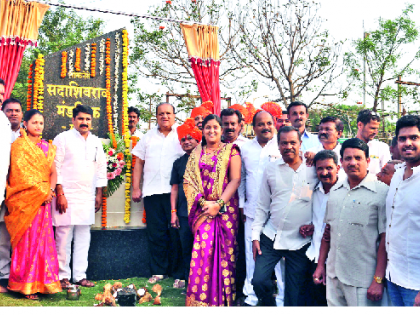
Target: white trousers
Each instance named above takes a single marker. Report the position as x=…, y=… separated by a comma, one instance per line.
x=250, y=266
x=4, y=252
x=63, y=237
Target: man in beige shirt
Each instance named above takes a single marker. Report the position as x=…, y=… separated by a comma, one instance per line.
x=284, y=204
x=356, y=220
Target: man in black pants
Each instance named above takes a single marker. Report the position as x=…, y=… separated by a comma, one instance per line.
x=156, y=152
x=189, y=136
x=284, y=205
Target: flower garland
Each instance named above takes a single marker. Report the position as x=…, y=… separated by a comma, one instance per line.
x=104, y=210
x=41, y=72
x=93, y=61
x=71, y=66
x=128, y=178
x=38, y=87
x=108, y=92
x=116, y=80
x=77, y=63
x=63, y=64
x=125, y=130
x=101, y=56
x=87, y=57
x=29, y=98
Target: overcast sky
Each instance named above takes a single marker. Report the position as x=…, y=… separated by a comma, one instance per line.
x=345, y=20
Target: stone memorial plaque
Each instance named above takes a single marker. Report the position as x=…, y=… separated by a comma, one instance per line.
x=82, y=87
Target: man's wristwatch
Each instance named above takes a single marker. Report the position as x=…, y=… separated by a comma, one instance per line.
x=377, y=279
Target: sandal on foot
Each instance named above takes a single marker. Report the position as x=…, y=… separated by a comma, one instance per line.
x=3, y=289
x=85, y=283
x=156, y=278
x=179, y=284
x=32, y=297
x=65, y=283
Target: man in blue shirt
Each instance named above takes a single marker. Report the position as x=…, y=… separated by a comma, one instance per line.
x=298, y=115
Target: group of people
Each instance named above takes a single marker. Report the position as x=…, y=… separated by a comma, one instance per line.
x=330, y=222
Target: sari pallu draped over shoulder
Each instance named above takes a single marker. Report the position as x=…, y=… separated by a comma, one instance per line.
x=213, y=258
x=28, y=185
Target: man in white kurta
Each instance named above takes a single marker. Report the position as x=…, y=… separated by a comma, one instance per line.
x=256, y=154
x=81, y=174
x=5, y=141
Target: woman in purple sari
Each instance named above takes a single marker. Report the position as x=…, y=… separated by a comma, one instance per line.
x=211, y=181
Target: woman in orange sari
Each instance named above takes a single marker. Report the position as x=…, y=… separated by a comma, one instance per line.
x=30, y=189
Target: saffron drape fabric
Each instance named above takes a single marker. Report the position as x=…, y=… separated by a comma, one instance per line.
x=19, y=24
x=203, y=52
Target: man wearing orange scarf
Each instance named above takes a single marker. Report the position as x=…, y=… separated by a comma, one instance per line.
x=189, y=136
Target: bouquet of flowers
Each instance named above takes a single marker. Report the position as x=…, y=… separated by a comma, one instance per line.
x=116, y=164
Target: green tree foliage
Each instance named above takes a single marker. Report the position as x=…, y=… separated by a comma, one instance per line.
x=60, y=29
x=383, y=49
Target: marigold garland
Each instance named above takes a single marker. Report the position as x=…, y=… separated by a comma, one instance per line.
x=38, y=86
x=30, y=90
x=77, y=63
x=108, y=92
x=63, y=64
x=104, y=210
x=93, y=61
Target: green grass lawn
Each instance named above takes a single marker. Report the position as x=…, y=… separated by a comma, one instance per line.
x=170, y=296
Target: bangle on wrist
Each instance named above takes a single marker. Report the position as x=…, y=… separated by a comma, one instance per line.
x=173, y=211
x=62, y=194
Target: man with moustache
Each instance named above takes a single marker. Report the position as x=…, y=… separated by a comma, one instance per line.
x=367, y=128
x=189, y=136
x=356, y=219
x=327, y=170
x=12, y=108
x=5, y=142
x=298, y=115
x=330, y=130
x=284, y=205
x=81, y=175
x=157, y=149
x=255, y=155
x=232, y=126
x=283, y=121
x=133, y=120
x=403, y=218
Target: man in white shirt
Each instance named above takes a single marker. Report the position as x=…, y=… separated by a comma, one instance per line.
x=327, y=170
x=283, y=121
x=81, y=174
x=133, y=121
x=156, y=152
x=13, y=111
x=12, y=108
x=403, y=218
x=298, y=115
x=284, y=204
x=367, y=128
x=5, y=140
x=232, y=126
x=255, y=155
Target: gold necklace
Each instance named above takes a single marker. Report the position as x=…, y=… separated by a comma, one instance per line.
x=213, y=150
